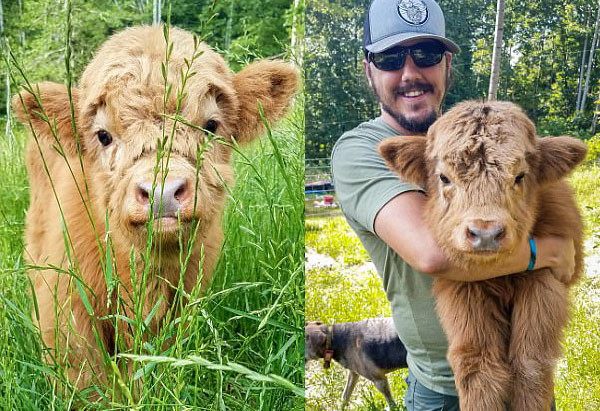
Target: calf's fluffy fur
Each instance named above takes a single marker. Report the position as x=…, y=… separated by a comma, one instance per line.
x=119, y=113
x=485, y=171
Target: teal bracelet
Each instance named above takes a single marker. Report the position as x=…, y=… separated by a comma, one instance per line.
x=533, y=254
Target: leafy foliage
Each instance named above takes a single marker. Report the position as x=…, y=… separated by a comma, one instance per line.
x=593, y=155
x=243, y=31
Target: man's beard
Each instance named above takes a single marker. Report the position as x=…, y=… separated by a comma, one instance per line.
x=414, y=126
x=418, y=126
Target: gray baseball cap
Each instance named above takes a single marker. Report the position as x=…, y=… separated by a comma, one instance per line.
x=391, y=22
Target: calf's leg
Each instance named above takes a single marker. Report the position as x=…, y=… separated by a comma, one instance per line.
x=477, y=331
x=539, y=315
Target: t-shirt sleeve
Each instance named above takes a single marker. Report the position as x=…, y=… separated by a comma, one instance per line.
x=362, y=181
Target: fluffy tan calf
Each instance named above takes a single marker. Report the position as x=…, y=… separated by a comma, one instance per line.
x=491, y=183
x=119, y=108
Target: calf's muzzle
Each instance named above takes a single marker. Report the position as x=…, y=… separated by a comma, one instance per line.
x=169, y=198
x=485, y=235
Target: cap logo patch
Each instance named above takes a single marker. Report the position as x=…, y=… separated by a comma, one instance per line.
x=414, y=12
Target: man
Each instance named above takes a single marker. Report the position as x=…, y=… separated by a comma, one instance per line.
x=407, y=64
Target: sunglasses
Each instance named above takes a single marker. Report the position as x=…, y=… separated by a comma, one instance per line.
x=423, y=54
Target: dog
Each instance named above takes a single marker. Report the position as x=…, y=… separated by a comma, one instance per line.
x=369, y=348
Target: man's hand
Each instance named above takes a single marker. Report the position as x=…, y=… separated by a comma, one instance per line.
x=560, y=255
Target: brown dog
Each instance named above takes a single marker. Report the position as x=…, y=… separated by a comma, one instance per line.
x=370, y=348
x=124, y=121
x=491, y=183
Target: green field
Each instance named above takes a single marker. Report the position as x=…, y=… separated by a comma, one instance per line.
x=240, y=342
x=342, y=285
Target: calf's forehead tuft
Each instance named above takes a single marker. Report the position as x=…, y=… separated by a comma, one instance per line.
x=477, y=137
x=130, y=63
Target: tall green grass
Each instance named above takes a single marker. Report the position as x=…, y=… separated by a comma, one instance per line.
x=238, y=344
x=578, y=373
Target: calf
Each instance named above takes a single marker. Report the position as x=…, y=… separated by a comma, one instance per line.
x=121, y=168
x=491, y=183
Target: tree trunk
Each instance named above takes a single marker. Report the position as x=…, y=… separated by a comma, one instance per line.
x=495, y=73
x=509, y=45
x=8, y=129
x=595, y=118
x=229, y=23
x=21, y=31
x=537, y=80
x=582, y=67
x=156, y=11
x=296, y=45
x=141, y=5
x=507, y=82
x=590, y=63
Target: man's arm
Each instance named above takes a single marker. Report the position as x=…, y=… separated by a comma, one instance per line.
x=400, y=223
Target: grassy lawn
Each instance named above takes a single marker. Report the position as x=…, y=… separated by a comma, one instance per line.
x=241, y=340
x=342, y=285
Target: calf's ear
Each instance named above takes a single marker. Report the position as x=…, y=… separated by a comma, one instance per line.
x=46, y=107
x=558, y=156
x=406, y=156
x=272, y=83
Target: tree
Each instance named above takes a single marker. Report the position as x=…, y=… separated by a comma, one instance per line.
x=582, y=67
x=156, y=11
x=590, y=63
x=496, y=54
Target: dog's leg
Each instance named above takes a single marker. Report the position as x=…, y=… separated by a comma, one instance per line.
x=539, y=315
x=384, y=387
x=477, y=331
x=350, y=384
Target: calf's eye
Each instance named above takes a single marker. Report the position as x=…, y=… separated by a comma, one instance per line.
x=211, y=126
x=519, y=178
x=444, y=179
x=104, y=137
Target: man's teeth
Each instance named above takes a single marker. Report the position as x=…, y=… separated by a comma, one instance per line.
x=414, y=93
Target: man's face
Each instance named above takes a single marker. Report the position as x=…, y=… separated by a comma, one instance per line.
x=410, y=96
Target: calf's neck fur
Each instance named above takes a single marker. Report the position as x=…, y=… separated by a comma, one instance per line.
x=482, y=166
x=122, y=93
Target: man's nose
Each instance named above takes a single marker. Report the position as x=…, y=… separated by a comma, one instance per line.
x=410, y=70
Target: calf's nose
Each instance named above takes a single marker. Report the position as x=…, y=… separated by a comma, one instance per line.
x=485, y=235
x=167, y=198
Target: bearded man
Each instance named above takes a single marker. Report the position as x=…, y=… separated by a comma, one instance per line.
x=407, y=62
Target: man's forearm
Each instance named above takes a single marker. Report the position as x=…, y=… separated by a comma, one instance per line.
x=548, y=255
x=401, y=224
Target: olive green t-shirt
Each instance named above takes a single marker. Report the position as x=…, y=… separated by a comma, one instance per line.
x=363, y=185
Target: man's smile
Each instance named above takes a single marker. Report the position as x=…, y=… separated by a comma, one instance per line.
x=413, y=91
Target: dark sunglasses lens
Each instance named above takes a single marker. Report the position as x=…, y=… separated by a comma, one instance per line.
x=427, y=55
x=423, y=55
x=389, y=60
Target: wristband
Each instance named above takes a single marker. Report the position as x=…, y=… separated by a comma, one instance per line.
x=533, y=254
